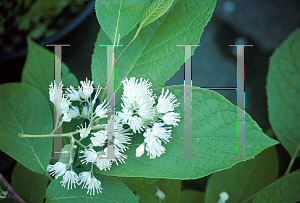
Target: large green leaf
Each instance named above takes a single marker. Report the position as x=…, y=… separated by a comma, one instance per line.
x=245, y=179
x=119, y=15
x=25, y=110
x=29, y=185
x=39, y=69
x=154, y=54
x=283, y=91
x=285, y=189
x=214, y=140
x=113, y=191
x=170, y=188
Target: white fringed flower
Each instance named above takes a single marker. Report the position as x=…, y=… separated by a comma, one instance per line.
x=65, y=105
x=166, y=103
x=119, y=157
x=67, y=117
x=73, y=113
x=99, y=138
x=140, y=150
x=58, y=169
x=101, y=110
x=147, y=112
x=137, y=103
x=163, y=133
x=103, y=162
x=53, y=89
x=85, y=111
x=89, y=155
x=135, y=124
x=121, y=137
x=133, y=90
x=171, y=118
x=160, y=194
x=153, y=145
x=84, y=178
x=94, y=185
x=73, y=94
x=98, y=90
x=86, y=89
x=84, y=131
x=223, y=197
x=70, y=178
x=124, y=115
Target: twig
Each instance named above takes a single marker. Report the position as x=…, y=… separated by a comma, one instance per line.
x=11, y=190
x=292, y=161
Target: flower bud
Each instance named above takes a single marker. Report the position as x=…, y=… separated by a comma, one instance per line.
x=140, y=150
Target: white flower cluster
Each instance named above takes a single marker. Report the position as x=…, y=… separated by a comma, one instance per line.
x=94, y=152
x=139, y=114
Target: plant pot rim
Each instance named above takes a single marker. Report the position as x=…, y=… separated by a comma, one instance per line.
x=62, y=32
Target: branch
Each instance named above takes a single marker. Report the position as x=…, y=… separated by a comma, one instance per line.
x=11, y=190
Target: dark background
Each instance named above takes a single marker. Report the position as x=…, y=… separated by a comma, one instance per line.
x=261, y=23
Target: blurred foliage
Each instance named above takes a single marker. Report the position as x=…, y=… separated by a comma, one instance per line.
x=34, y=16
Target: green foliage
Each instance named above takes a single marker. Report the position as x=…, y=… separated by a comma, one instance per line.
x=29, y=185
x=191, y=196
x=135, y=184
x=245, y=179
x=155, y=11
x=152, y=29
x=283, y=91
x=285, y=189
x=34, y=16
x=214, y=140
x=113, y=191
x=40, y=10
x=119, y=17
x=25, y=110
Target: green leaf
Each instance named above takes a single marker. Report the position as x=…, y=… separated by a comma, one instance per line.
x=154, y=54
x=39, y=69
x=135, y=184
x=245, y=179
x=29, y=185
x=155, y=11
x=191, y=196
x=214, y=140
x=128, y=12
x=25, y=110
x=113, y=191
x=285, y=189
x=170, y=188
x=283, y=91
